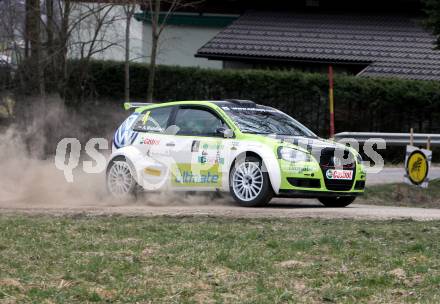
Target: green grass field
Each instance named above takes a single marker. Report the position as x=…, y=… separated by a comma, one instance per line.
x=209, y=260
x=403, y=195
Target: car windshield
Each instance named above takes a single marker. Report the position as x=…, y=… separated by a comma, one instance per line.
x=266, y=120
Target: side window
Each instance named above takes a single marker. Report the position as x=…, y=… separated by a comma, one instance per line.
x=153, y=121
x=197, y=122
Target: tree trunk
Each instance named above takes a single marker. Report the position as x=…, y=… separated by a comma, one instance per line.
x=152, y=69
x=62, y=58
x=50, y=41
x=33, y=27
x=129, y=13
x=154, y=45
x=27, y=27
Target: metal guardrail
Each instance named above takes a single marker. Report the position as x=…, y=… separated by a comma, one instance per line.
x=392, y=139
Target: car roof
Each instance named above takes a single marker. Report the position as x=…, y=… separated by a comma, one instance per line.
x=220, y=103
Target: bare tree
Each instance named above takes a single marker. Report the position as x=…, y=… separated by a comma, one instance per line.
x=160, y=11
x=432, y=22
x=11, y=24
x=48, y=33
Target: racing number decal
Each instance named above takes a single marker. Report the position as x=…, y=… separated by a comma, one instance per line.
x=417, y=167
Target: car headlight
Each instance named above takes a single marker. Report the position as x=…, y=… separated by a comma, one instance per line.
x=293, y=155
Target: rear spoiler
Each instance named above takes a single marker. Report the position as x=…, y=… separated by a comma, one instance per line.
x=131, y=105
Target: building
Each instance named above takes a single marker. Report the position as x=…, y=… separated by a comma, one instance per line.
x=184, y=35
x=364, y=45
x=373, y=38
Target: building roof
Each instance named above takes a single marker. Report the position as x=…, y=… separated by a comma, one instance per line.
x=394, y=46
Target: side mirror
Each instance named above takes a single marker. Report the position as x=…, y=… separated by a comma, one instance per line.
x=227, y=133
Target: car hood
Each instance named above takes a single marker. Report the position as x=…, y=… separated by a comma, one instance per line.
x=308, y=143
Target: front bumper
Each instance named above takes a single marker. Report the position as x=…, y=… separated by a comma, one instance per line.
x=308, y=179
x=287, y=193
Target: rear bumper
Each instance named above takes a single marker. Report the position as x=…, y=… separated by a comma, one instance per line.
x=314, y=194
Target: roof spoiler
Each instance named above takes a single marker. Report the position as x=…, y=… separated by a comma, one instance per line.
x=242, y=102
x=131, y=105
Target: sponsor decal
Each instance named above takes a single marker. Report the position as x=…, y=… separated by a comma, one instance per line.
x=213, y=146
x=150, y=141
x=206, y=159
x=211, y=160
x=226, y=108
x=124, y=135
x=339, y=174
x=296, y=169
x=191, y=175
x=235, y=144
x=152, y=171
x=195, y=146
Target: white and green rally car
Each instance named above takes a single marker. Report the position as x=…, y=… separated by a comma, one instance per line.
x=254, y=152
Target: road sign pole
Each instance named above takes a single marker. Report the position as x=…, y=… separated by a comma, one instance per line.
x=331, y=101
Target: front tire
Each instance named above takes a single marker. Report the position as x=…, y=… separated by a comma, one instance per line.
x=120, y=181
x=337, y=202
x=249, y=184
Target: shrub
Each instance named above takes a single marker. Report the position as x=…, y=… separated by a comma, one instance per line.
x=361, y=104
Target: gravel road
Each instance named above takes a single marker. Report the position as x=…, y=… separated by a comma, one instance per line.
x=35, y=194
x=279, y=208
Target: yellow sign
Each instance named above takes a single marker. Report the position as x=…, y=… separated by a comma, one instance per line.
x=417, y=165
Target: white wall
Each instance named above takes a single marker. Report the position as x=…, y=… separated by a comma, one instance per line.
x=179, y=44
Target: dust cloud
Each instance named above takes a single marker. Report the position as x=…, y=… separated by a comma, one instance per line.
x=29, y=178
x=28, y=175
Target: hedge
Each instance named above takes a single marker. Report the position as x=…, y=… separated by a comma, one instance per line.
x=361, y=104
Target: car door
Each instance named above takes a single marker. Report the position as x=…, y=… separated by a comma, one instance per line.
x=199, y=149
x=152, y=142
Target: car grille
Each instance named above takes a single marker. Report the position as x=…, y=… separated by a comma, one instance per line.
x=326, y=161
x=304, y=182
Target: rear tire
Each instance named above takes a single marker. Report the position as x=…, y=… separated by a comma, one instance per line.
x=337, y=202
x=120, y=181
x=249, y=184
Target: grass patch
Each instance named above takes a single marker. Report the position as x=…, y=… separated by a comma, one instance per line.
x=403, y=195
x=202, y=260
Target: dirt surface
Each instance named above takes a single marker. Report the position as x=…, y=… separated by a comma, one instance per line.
x=279, y=208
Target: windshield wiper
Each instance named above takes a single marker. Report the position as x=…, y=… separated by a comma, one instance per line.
x=299, y=135
x=254, y=132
